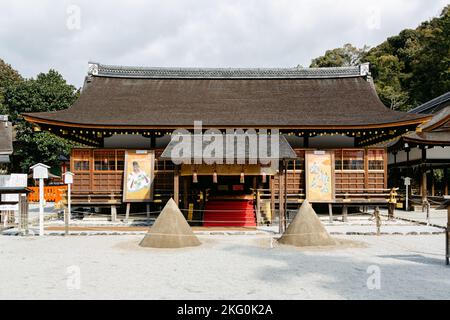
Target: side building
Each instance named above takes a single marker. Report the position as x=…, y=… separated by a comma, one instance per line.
x=424, y=155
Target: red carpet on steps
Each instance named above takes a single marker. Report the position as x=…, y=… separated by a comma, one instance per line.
x=229, y=213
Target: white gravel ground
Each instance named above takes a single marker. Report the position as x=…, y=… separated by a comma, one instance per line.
x=223, y=267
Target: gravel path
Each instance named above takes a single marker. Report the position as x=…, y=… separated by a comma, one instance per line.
x=223, y=267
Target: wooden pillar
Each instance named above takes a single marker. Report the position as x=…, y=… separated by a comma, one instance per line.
x=23, y=214
x=113, y=213
x=330, y=212
x=152, y=142
x=446, y=182
x=147, y=207
x=280, y=198
x=127, y=212
x=285, y=195
x=185, y=193
x=423, y=183
x=433, y=181
x=176, y=185
x=344, y=213
x=258, y=207
x=305, y=141
x=408, y=188
x=447, y=237
x=272, y=196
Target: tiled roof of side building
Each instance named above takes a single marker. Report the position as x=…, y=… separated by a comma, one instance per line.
x=433, y=105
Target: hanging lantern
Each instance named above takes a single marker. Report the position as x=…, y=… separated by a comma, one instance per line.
x=242, y=180
x=194, y=177
x=264, y=177
x=215, y=176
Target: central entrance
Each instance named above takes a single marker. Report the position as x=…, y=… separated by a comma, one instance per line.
x=224, y=193
x=229, y=202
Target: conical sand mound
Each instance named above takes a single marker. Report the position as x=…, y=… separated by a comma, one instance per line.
x=170, y=230
x=306, y=229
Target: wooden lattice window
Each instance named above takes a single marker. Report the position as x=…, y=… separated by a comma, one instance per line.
x=80, y=160
x=297, y=165
x=120, y=160
x=376, y=159
x=353, y=159
x=104, y=160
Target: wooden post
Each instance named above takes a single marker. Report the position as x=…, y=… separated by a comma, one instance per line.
x=330, y=212
x=23, y=214
x=185, y=193
x=344, y=213
x=447, y=237
x=176, y=186
x=258, y=207
x=432, y=182
x=423, y=190
x=66, y=221
x=285, y=195
x=376, y=214
x=41, y=207
x=272, y=196
x=147, y=207
x=113, y=213
x=446, y=182
x=127, y=212
x=280, y=199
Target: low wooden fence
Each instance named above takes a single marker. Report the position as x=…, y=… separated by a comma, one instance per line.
x=51, y=193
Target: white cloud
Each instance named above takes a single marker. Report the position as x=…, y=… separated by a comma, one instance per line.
x=254, y=33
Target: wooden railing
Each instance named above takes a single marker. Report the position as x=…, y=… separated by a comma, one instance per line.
x=51, y=193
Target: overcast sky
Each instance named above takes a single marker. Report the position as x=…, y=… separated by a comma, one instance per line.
x=37, y=35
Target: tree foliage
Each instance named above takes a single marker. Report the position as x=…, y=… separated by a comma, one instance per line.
x=8, y=77
x=408, y=69
x=48, y=92
x=346, y=56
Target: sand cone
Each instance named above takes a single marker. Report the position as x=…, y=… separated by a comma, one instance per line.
x=170, y=230
x=306, y=229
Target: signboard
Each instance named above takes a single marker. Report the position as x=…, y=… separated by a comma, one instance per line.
x=13, y=180
x=138, y=176
x=319, y=176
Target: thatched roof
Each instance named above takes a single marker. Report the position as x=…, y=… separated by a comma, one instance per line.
x=130, y=97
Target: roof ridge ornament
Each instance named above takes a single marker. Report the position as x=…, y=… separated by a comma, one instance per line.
x=364, y=69
x=93, y=68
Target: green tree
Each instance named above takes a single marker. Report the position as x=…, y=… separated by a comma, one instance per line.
x=48, y=92
x=8, y=77
x=431, y=66
x=346, y=56
x=408, y=69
